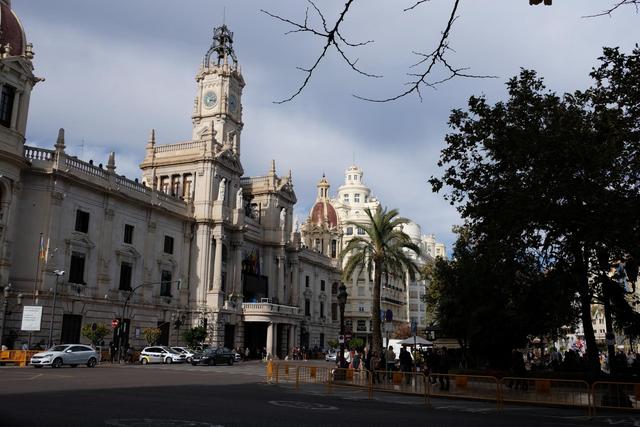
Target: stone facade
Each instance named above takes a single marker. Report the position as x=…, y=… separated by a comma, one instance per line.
x=193, y=240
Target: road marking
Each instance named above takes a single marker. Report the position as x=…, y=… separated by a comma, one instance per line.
x=142, y=422
x=303, y=405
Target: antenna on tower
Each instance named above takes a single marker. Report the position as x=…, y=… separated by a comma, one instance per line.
x=224, y=15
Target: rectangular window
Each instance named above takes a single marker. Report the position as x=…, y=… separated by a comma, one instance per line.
x=334, y=251
x=349, y=231
x=321, y=310
x=76, y=268
x=321, y=340
x=126, y=270
x=361, y=326
x=356, y=198
x=165, y=284
x=168, y=245
x=346, y=198
x=6, y=105
x=82, y=221
x=322, y=286
x=361, y=308
x=128, y=233
x=361, y=231
x=334, y=311
x=306, y=281
x=307, y=307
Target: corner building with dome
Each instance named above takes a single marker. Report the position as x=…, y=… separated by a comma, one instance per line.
x=192, y=242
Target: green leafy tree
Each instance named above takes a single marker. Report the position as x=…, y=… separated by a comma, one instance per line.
x=491, y=299
x=355, y=343
x=332, y=343
x=95, y=335
x=557, y=177
x=384, y=250
x=151, y=335
x=195, y=336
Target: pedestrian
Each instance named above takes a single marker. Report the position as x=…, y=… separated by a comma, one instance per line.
x=356, y=361
x=391, y=361
x=247, y=352
x=113, y=349
x=443, y=369
x=406, y=364
x=376, y=363
x=367, y=362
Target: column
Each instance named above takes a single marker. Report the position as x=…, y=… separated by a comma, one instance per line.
x=217, y=265
x=270, y=338
x=292, y=336
x=237, y=268
x=280, y=290
x=295, y=286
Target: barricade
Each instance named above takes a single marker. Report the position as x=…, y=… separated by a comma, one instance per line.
x=354, y=378
x=400, y=382
x=19, y=357
x=471, y=387
x=284, y=372
x=312, y=375
x=546, y=391
x=615, y=395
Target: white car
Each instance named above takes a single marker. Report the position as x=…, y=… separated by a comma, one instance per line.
x=66, y=354
x=186, y=351
x=161, y=354
x=331, y=355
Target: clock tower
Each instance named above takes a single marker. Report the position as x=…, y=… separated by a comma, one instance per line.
x=219, y=92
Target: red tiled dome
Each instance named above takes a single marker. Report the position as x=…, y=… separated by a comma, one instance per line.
x=11, y=31
x=321, y=210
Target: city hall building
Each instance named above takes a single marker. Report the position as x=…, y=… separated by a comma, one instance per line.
x=193, y=242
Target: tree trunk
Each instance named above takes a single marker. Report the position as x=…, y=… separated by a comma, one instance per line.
x=376, y=342
x=593, y=361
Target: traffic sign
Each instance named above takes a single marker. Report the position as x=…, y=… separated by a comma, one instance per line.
x=341, y=339
x=347, y=337
x=114, y=323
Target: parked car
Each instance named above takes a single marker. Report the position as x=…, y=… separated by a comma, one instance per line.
x=237, y=357
x=65, y=354
x=331, y=355
x=213, y=356
x=161, y=354
x=186, y=351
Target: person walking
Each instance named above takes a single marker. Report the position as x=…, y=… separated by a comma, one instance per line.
x=443, y=369
x=391, y=361
x=406, y=365
x=113, y=350
x=376, y=363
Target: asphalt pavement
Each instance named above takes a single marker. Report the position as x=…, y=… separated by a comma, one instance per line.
x=183, y=395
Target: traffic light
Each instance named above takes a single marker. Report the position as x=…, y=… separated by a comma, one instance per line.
x=115, y=323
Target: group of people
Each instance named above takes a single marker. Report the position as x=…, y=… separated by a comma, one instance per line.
x=434, y=363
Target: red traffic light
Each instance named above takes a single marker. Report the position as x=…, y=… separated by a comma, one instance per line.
x=114, y=323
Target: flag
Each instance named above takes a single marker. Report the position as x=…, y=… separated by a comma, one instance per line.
x=41, y=253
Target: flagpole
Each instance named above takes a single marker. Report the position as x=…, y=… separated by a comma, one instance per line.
x=35, y=282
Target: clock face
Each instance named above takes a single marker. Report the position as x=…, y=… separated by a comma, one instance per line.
x=210, y=99
x=233, y=103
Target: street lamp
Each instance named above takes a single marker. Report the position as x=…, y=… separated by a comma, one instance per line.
x=5, y=305
x=342, y=301
x=59, y=274
x=178, y=320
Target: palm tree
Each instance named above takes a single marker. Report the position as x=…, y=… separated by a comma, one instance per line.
x=384, y=249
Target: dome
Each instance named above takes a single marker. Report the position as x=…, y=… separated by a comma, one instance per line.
x=322, y=210
x=413, y=231
x=11, y=30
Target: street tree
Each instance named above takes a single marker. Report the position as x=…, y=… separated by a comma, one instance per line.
x=151, y=335
x=557, y=176
x=384, y=250
x=96, y=333
x=195, y=335
x=493, y=298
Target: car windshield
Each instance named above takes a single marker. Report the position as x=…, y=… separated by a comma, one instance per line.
x=170, y=350
x=58, y=348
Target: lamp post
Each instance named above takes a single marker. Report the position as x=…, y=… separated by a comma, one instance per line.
x=342, y=301
x=178, y=320
x=59, y=274
x=5, y=306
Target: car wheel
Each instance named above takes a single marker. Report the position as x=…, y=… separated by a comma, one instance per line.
x=194, y=363
x=189, y=359
x=144, y=361
x=168, y=361
x=91, y=363
x=57, y=363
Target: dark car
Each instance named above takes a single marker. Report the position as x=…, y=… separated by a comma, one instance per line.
x=213, y=356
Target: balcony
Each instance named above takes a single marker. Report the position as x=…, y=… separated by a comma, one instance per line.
x=267, y=308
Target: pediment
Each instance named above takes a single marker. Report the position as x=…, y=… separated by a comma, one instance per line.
x=128, y=252
x=80, y=240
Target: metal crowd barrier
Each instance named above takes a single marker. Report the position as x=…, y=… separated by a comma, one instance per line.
x=518, y=390
x=471, y=387
x=546, y=391
x=615, y=395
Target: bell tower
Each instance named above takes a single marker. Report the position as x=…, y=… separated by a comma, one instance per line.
x=219, y=92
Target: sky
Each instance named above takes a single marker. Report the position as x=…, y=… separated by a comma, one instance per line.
x=114, y=70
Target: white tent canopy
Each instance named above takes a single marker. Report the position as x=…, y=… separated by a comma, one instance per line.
x=417, y=340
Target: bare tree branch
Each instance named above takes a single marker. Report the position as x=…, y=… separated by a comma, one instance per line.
x=616, y=5
x=333, y=38
x=416, y=4
x=432, y=60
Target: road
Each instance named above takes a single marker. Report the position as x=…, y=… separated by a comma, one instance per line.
x=183, y=395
